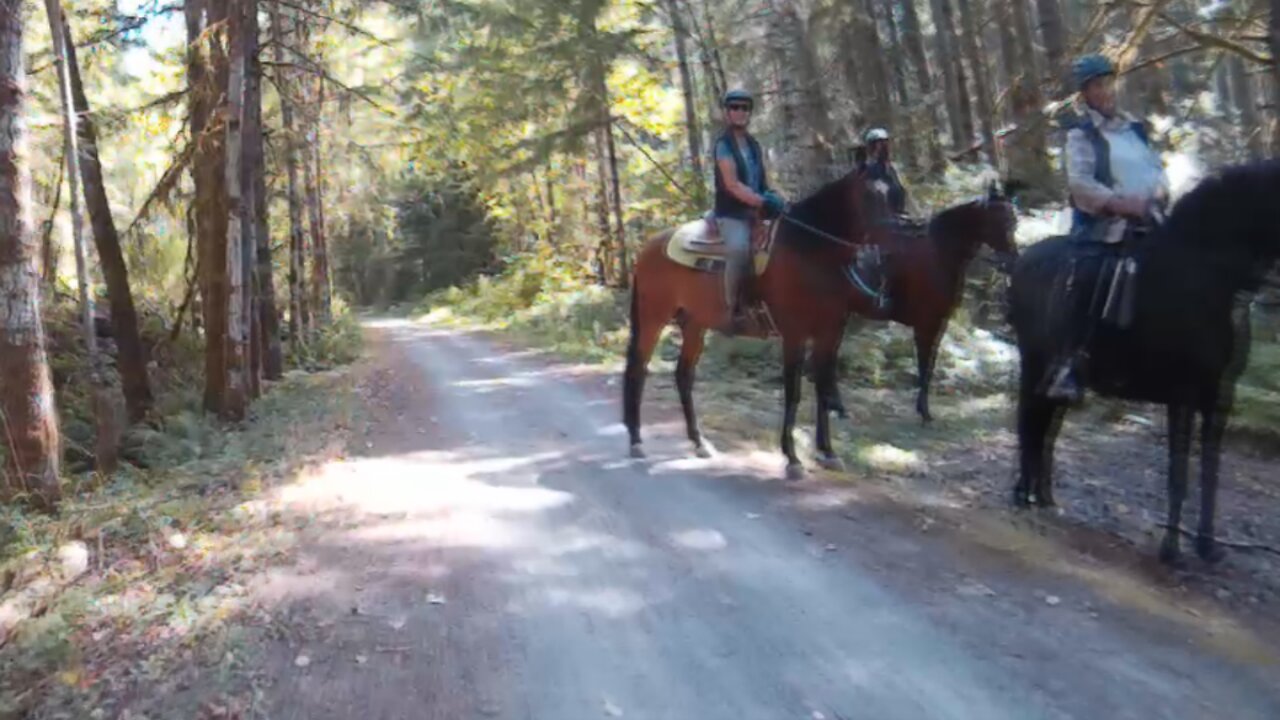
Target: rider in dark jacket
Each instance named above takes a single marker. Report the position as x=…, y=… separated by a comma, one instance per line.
x=881, y=174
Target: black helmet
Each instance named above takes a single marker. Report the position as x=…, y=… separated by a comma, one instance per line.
x=738, y=95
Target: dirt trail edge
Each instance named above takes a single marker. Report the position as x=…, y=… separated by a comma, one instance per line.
x=489, y=552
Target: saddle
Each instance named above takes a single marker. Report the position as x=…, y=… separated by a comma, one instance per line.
x=1112, y=270
x=697, y=245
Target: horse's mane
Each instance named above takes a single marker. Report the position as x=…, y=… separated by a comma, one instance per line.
x=829, y=209
x=1234, y=216
x=941, y=224
x=1240, y=204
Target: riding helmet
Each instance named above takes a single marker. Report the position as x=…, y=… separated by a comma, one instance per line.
x=875, y=135
x=738, y=95
x=1088, y=67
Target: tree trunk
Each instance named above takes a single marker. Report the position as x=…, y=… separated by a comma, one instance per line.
x=971, y=17
x=258, y=281
x=239, y=208
x=206, y=72
x=1275, y=77
x=107, y=433
x=624, y=262
x=551, y=198
x=1242, y=91
x=311, y=181
x=953, y=75
x=871, y=69
x=297, y=232
x=602, y=205
x=269, y=314
x=1027, y=156
x=320, y=248
x=31, y=439
x=896, y=63
x=914, y=44
x=115, y=273
x=692, y=131
x=1053, y=33
x=48, y=247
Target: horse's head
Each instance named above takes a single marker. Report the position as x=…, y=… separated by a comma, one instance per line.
x=989, y=220
x=999, y=225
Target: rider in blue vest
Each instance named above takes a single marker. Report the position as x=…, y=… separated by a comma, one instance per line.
x=741, y=187
x=1117, y=185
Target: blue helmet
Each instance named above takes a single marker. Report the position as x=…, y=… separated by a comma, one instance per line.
x=1088, y=67
x=738, y=95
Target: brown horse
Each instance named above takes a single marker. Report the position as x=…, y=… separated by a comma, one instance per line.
x=926, y=272
x=808, y=288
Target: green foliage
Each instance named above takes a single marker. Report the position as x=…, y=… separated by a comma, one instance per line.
x=329, y=347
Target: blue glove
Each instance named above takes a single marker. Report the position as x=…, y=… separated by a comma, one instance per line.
x=774, y=205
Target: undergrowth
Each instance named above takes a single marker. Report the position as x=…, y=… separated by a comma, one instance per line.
x=138, y=573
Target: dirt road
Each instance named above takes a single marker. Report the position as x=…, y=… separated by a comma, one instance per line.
x=492, y=553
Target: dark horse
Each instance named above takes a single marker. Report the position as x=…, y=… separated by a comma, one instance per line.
x=1182, y=350
x=926, y=271
x=806, y=272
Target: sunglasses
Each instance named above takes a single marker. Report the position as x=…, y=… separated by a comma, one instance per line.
x=736, y=106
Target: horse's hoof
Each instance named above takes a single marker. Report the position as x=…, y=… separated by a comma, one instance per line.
x=705, y=450
x=795, y=471
x=1021, y=499
x=637, y=451
x=1209, y=550
x=831, y=462
x=1170, y=553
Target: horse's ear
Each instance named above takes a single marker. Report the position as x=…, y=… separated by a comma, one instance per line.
x=860, y=156
x=993, y=190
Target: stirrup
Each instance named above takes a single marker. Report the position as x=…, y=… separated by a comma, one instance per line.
x=1065, y=385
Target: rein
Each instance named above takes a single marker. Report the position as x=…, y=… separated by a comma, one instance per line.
x=851, y=271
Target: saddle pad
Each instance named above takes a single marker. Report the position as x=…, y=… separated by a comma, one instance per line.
x=688, y=247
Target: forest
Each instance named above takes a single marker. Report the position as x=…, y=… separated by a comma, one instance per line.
x=199, y=197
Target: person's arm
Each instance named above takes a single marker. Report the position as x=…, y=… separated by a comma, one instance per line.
x=729, y=173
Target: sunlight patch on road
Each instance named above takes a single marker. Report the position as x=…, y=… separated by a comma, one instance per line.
x=883, y=456
x=498, y=383
x=609, y=602
x=431, y=481
x=702, y=539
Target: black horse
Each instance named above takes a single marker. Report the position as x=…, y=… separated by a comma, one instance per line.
x=1182, y=349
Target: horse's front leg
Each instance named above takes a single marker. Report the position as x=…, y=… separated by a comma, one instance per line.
x=824, y=385
x=792, y=358
x=927, y=339
x=1211, y=432
x=1181, y=419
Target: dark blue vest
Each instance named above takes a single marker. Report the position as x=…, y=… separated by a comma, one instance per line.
x=1082, y=223
x=726, y=204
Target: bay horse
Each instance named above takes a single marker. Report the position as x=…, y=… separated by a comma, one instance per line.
x=1183, y=348
x=926, y=272
x=808, y=289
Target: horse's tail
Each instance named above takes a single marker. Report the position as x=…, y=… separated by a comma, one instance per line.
x=633, y=344
x=633, y=370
